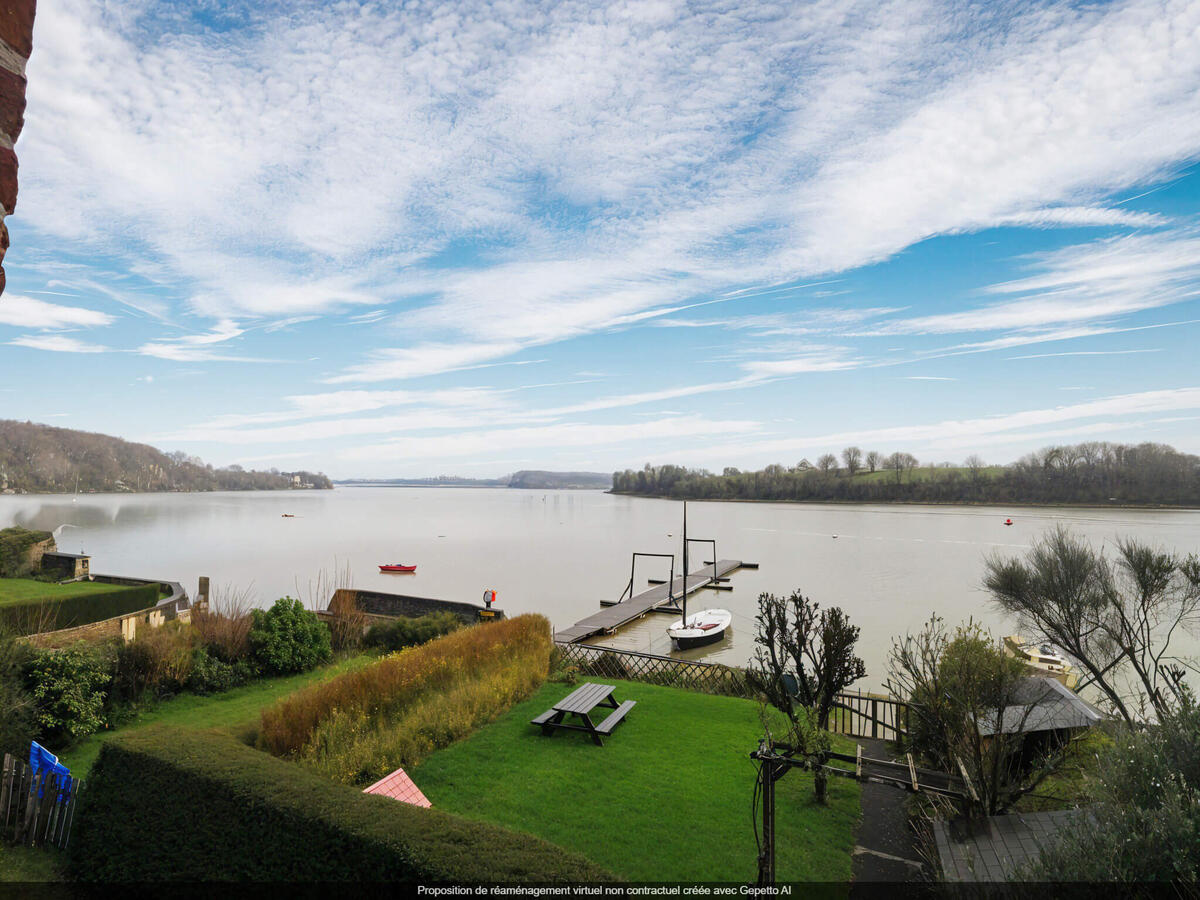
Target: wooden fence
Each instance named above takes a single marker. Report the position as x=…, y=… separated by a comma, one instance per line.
x=855, y=713
x=34, y=810
x=869, y=716
x=709, y=678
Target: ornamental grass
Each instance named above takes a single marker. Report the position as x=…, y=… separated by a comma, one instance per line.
x=362, y=725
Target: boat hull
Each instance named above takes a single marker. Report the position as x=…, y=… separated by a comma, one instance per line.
x=397, y=568
x=705, y=627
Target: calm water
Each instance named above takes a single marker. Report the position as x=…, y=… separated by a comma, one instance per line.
x=560, y=553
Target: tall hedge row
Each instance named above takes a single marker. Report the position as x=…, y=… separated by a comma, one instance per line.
x=167, y=804
x=14, y=549
x=51, y=614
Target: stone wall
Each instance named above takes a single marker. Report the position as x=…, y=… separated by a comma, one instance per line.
x=392, y=605
x=16, y=43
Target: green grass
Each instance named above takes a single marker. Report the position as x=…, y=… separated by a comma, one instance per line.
x=666, y=798
x=22, y=590
x=235, y=712
x=18, y=864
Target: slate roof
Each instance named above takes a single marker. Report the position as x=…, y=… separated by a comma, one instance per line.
x=996, y=847
x=1054, y=706
x=400, y=787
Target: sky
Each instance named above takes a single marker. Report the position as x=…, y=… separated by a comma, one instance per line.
x=385, y=240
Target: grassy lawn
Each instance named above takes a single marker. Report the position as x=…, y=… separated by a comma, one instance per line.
x=666, y=798
x=20, y=590
x=29, y=864
x=236, y=711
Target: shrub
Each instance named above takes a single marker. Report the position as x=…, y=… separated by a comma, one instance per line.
x=288, y=638
x=17, y=724
x=246, y=816
x=211, y=675
x=15, y=543
x=405, y=632
x=224, y=627
x=69, y=688
x=1145, y=826
x=363, y=724
x=158, y=660
x=349, y=622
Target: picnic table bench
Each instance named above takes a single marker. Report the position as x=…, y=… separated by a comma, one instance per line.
x=580, y=703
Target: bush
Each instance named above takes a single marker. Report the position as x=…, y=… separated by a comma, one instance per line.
x=15, y=543
x=69, y=688
x=349, y=622
x=224, y=627
x=363, y=724
x=404, y=632
x=1145, y=826
x=158, y=661
x=288, y=638
x=245, y=816
x=212, y=675
x=17, y=723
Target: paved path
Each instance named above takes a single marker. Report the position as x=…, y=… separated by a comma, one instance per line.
x=886, y=850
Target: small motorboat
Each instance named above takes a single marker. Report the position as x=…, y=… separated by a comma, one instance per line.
x=287, y=515
x=705, y=627
x=396, y=567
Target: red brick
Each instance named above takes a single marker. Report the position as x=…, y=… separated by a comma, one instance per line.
x=16, y=24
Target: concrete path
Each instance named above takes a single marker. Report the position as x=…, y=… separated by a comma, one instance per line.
x=886, y=850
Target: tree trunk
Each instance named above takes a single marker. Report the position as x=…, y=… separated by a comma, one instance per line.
x=820, y=782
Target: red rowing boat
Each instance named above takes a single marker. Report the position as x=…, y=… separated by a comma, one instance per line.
x=397, y=568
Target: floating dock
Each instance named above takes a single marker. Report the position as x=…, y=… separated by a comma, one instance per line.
x=658, y=599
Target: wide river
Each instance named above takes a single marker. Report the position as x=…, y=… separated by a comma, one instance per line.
x=560, y=553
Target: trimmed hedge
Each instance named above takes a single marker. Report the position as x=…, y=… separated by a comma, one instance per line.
x=217, y=810
x=52, y=614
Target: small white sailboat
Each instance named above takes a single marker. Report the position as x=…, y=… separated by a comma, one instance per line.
x=704, y=627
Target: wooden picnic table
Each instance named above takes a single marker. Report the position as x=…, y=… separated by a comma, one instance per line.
x=580, y=703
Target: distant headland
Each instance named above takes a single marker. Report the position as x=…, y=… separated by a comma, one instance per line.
x=41, y=459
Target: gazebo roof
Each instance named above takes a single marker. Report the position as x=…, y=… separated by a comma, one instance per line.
x=400, y=787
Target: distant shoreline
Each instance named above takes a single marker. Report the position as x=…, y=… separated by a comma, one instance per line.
x=981, y=503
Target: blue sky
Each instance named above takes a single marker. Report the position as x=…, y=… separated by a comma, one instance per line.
x=472, y=238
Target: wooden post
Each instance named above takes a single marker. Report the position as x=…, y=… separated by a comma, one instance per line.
x=874, y=717
x=766, y=858
x=7, y=774
x=912, y=771
x=858, y=763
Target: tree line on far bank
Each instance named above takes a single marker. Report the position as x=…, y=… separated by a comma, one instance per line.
x=1093, y=472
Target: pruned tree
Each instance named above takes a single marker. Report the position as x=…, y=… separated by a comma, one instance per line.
x=970, y=703
x=974, y=464
x=1118, y=619
x=827, y=463
x=804, y=659
x=874, y=460
x=852, y=457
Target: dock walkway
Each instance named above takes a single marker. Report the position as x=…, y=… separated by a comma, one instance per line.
x=615, y=615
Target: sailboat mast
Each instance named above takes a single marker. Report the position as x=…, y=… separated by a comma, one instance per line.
x=685, y=564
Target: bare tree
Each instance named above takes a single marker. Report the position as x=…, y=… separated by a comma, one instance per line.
x=1116, y=619
x=874, y=460
x=852, y=457
x=827, y=463
x=974, y=464
x=805, y=657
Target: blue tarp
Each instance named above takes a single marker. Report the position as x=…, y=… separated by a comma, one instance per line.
x=40, y=758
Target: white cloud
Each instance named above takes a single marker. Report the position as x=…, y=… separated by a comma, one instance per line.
x=28, y=312
x=614, y=163
x=56, y=343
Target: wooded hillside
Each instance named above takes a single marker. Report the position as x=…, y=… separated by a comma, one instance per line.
x=42, y=459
